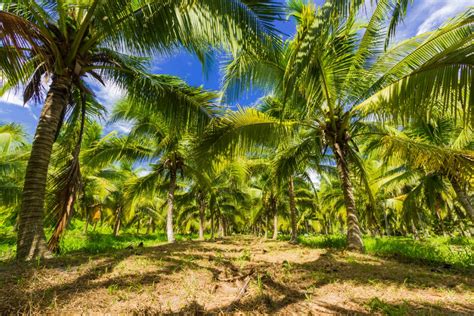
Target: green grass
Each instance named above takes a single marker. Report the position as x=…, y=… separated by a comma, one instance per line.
x=457, y=252
x=7, y=243
x=376, y=305
x=448, y=252
x=76, y=240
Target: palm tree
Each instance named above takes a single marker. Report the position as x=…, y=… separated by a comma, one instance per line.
x=162, y=142
x=438, y=153
x=65, y=174
x=223, y=182
x=69, y=41
x=13, y=156
x=336, y=75
x=192, y=205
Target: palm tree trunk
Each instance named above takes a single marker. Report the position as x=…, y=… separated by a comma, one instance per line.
x=202, y=207
x=266, y=226
x=385, y=219
x=291, y=194
x=149, y=226
x=31, y=242
x=117, y=222
x=462, y=197
x=440, y=218
x=414, y=230
x=212, y=224
x=221, y=231
x=86, y=226
x=354, y=236
x=169, y=215
x=275, y=226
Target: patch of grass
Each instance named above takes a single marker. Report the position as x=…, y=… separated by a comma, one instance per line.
x=437, y=251
x=7, y=244
x=92, y=242
x=323, y=241
x=456, y=252
x=376, y=305
x=245, y=255
x=96, y=242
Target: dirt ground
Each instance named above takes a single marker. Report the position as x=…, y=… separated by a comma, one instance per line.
x=234, y=275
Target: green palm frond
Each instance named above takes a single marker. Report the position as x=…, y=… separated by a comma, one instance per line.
x=446, y=76
x=242, y=132
x=182, y=106
x=420, y=154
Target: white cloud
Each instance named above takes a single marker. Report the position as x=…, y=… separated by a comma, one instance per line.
x=123, y=127
x=315, y=177
x=109, y=94
x=439, y=11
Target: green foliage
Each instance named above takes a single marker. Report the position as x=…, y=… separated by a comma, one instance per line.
x=323, y=241
x=92, y=242
x=376, y=305
x=447, y=252
x=351, y=126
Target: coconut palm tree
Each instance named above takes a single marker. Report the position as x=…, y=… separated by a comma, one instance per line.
x=337, y=74
x=223, y=182
x=67, y=42
x=438, y=156
x=169, y=145
x=14, y=150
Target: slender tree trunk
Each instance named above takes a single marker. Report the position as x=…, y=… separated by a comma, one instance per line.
x=202, y=209
x=275, y=226
x=385, y=218
x=86, y=226
x=354, y=236
x=414, y=230
x=149, y=226
x=95, y=226
x=462, y=197
x=440, y=218
x=138, y=227
x=169, y=215
x=118, y=221
x=266, y=226
x=291, y=194
x=221, y=231
x=31, y=241
x=212, y=224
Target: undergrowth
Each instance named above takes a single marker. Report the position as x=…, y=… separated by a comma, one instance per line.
x=92, y=242
x=447, y=252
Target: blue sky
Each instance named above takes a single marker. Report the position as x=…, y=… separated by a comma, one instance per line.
x=423, y=15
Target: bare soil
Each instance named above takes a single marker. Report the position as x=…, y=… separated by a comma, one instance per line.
x=233, y=275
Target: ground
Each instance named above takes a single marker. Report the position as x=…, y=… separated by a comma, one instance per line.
x=236, y=274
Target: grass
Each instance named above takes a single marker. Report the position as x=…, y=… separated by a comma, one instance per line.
x=376, y=305
x=94, y=242
x=457, y=252
x=7, y=243
x=191, y=277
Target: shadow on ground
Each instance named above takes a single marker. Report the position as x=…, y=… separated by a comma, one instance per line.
x=193, y=277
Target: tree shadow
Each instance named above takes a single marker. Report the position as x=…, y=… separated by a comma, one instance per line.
x=19, y=276
x=85, y=273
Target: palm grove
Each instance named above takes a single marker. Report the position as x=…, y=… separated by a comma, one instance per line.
x=358, y=133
